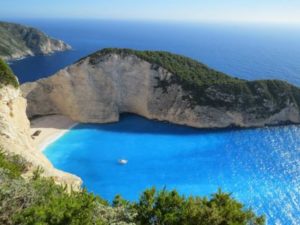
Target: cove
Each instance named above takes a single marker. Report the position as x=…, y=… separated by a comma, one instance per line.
x=260, y=167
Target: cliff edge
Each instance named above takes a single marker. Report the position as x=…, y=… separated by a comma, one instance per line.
x=15, y=135
x=162, y=86
x=18, y=41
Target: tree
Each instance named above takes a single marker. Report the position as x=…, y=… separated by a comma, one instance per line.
x=169, y=208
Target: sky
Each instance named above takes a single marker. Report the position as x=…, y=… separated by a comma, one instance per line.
x=274, y=11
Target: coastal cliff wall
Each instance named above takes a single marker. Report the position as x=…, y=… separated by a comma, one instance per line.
x=15, y=135
x=18, y=41
x=97, y=89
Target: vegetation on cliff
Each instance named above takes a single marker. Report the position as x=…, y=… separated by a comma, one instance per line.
x=19, y=41
x=6, y=75
x=207, y=87
x=40, y=201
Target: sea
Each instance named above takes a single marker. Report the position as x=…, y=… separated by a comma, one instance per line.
x=260, y=167
x=248, y=51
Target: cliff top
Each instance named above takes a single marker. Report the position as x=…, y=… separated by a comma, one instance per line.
x=207, y=86
x=7, y=77
x=185, y=68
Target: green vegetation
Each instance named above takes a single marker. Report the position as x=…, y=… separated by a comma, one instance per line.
x=13, y=166
x=185, y=68
x=207, y=87
x=19, y=41
x=6, y=75
x=58, y=207
x=40, y=201
x=169, y=208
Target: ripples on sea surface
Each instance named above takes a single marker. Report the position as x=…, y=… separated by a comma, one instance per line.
x=261, y=167
x=244, y=50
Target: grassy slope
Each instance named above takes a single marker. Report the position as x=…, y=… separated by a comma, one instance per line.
x=209, y=87
x=6, y=75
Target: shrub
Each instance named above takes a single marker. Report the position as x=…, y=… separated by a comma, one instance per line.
x=169, y=208
x=55, y=206
x=13, y=166
x=15, y=196
x=40, y=201
x=7, y=77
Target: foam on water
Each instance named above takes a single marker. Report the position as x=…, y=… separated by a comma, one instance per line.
x=261, y=167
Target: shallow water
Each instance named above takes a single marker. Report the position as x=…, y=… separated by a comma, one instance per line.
x=261, y=167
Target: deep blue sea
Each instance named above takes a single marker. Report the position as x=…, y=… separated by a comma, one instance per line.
x=261, y=167
x=246, y=51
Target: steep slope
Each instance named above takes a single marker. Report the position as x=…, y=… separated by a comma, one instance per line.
x=6, y=76
x=17, y=41
x=14, y=128
x=163, y=86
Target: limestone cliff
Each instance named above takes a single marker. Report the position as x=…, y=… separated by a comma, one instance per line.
x=17, y=41
x=162, y=86
x=15, y=134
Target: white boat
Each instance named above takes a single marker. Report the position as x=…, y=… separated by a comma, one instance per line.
x=122, y=161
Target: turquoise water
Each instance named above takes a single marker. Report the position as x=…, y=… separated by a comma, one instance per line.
x=261, y=167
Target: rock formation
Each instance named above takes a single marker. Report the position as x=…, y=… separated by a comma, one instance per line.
x=162, y=86
x=17, y=41
x=15, y=134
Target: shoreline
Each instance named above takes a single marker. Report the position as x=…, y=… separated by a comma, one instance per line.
x=50, y=129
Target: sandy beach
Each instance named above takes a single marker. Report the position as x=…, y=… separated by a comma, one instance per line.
x=50, y=128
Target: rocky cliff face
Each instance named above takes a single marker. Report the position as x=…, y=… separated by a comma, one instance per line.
x=15, y=135
x=100, y=87
x=17, y=41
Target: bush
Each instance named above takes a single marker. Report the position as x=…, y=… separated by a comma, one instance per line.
x=15, y=196
x=55, y=206
x=169, y=208
x=7, y=77
x=13, y=166
x=40, y=201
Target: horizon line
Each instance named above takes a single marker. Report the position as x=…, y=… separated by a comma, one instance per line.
x=201, y=21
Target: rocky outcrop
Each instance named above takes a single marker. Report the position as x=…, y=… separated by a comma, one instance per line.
x=97, y=89
x=15, y=136
x=17, y=41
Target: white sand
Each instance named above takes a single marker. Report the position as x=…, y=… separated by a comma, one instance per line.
x=51, y=127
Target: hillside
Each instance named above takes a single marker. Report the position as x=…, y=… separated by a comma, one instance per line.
x=162, y=86
x=6, y=75
x=209, y=87
x=17, y=41
x=15, y=134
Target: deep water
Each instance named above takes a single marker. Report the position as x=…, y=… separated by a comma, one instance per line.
x=242, y=50
x=261, y=167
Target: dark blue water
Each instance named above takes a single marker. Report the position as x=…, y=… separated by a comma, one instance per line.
x=261, y=167
x=246, y=51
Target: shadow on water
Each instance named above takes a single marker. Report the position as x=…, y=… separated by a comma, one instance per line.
x=259, y=166
x=132, y=123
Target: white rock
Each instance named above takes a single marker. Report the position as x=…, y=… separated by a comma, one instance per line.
x=117, y=84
